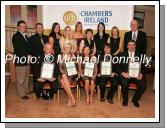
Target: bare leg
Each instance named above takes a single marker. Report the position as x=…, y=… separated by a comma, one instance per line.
x=67, y=88
x=92, y=87
x=87, y=91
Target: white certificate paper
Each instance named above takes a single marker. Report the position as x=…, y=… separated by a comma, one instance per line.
x=134, y=69
x=106, y=69
x=71, y=68
x=47, y=70
x=89, y=69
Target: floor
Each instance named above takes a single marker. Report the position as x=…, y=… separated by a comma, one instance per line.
x=32, y=108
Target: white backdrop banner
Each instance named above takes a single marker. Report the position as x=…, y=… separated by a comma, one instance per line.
x=89, y=15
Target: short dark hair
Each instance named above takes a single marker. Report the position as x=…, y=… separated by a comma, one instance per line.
x=132, y=41
x=88, y=30
x=38, y=24
x=20, y=22
x=107, y=45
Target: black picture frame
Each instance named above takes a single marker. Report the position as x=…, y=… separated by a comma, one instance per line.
x=139, y=16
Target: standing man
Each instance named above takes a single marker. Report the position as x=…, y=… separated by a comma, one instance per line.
x=37, y=42
x=125, y=79
x=22, y=51
x=138, y=36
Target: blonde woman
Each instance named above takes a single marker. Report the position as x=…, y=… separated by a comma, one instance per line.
x=68, y=38
x=78, y=34
x=65, y=79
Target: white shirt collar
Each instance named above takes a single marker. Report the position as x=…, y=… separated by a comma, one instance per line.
x=136, y=33
x=133, y=53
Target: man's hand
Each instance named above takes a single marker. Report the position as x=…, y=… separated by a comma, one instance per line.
x=126, y=75
x=140, y=76
x=41, y=79
x=52, y=79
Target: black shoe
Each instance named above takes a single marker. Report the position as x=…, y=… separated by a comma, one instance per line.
x=136, y=104
x=25, y=97
x=45, y=97
x=110, y=101
x=124, y=103
x=102, y=99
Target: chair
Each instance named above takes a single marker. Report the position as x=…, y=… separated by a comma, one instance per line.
x=73, y=84
x=132, y=86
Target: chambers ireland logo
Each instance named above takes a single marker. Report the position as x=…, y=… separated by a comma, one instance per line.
x=69, y=18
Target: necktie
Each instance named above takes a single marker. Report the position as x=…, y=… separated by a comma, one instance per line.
x=41, y=40
x=131, y=57
x=134, y=36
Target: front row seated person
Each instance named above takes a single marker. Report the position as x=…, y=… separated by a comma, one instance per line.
x=126, y=77
x=47, y=58
x=89, y=81
x=112, y=78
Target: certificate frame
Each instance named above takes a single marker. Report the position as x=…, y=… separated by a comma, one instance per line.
x=107, y=72
x=70, y=67
x=89, y=69
x=49, y=66
x=133, y=72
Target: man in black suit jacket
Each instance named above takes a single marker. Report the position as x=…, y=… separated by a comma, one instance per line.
x=22, y=51
x=37, y=42
x=125, y=79
x=53, y=82
x=138, y=36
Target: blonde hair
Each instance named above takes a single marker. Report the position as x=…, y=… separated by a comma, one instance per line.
x=67, y=44
x=76, y=26
x=64, y=34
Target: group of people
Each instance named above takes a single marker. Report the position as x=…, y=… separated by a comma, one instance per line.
x=86, y=45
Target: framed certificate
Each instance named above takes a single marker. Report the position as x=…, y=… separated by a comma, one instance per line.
x=134, y=69
x=106, y=69
x=89, y=69
x=47, y=70
x=71, y=68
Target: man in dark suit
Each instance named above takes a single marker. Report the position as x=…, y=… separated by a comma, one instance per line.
x=113, y=78
x=125, y=79
x=22, y=51
x=37, y=42
x=53, y=82
x=138, y=36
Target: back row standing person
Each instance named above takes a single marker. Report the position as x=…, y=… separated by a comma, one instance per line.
x=37, y=42
x=21, y=49
x=54, y=38
x=138, y=36
x=78, y=35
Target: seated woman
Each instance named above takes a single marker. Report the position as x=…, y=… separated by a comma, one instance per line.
x=88, y=41
x=113, y=78
x=88, y=81
x=65, y=79
x=41, y=81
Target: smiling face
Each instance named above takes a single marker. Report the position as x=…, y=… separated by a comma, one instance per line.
x=39, y=29
x=67, y=48
x=48, y=49
x=107, y=49
x=89, y=35
x=79, y=28
x=68, y=31
x=57, y=28
x=131, y=46
x=134, y=25
x=114, y=32
x=22, y=27
x=86, y=51
x=101, y=28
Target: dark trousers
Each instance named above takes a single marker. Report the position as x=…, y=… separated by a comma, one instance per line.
x=34, y=72
x=39, y=87
x=113, y=88
x=141, y=86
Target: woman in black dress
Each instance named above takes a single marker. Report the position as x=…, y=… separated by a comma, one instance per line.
x=115, y=41
x=100, y=38
x=54, y=37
